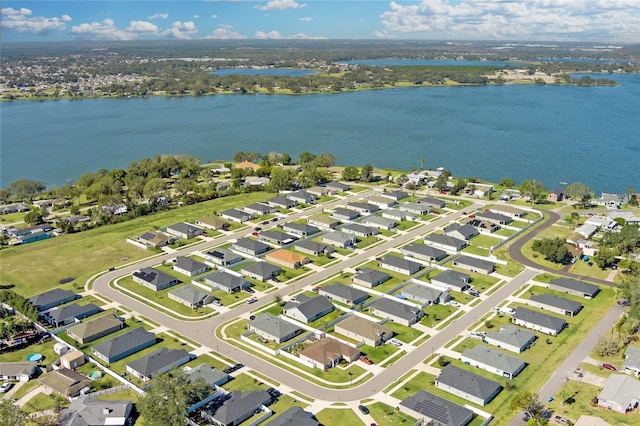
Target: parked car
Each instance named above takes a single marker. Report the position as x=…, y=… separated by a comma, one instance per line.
x=257, y=229
x=255, y=234
x=395, y=342
x=363, y=409
x=609, y=367
x=454, y=304
x=5, y=387
x=266, y=222
x=217, y=302
x=252, y=317
x=275, y=219
x=251, y=300
x=249, y=290
x=474, y=293
x=366, y=360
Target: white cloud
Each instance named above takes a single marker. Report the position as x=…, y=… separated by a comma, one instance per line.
x=306, y=19
x=105, y=30
x=196, y=16
x=214, y=16
x=275, y=35
x=142, y=27
x=159, y=16
x=272, y=35
x=382, y=34
x=224, y=32
x=512, y=19
x=22, y=21
x=181, y=30
x=303, y=36
x=281, y=5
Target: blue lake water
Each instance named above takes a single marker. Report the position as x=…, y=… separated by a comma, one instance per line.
x=290, y=72
x=550, y=133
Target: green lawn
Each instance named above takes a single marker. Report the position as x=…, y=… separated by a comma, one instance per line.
x=46, y=349
x=403, y=333
x=435, y=314
x=582, y=395
x=386, y=415
x=41, y=402
x=484, y=241
x=504, y=232
x=379, y=353
x=476, y=250
x=342, y=416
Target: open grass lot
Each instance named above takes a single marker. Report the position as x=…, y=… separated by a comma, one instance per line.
x=81, y=255
x=386, y=415
x=435, y=314
x=582, y=395
x=379, y=353
x=403, y=333
x=545, y=278
x=512, y=268
x=405, y=225
x=583, y=268
x=365, y=242
x=17, y=218
x=338, y=416
x=484, y=241
x=504, y=232
x=323, y=321
x=41, y=402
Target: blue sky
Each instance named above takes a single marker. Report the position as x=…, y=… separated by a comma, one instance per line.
x=531, y=20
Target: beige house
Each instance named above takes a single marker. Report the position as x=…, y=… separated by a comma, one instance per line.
x=362, y=329
x=327, y=353
x=287, y=258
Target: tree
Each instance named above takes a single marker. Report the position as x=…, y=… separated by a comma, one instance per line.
x=605, y=257
x=325, y=160
x=531, y=405
x=366, y=174
x=184, y=185
x=441, y=183
x=282, y=179
x=166, y=402
x=11, y=414
x=34, y=217
x=507, y=183
x=26, y=189
x=534, y=190
x=154, y=188
x=579, y=192
x=306, y=157
x=350, y=174
x=553, y=249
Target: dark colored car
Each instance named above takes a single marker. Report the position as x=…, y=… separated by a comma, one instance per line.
x=363, y=409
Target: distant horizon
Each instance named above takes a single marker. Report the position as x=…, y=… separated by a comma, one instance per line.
x=612, y=22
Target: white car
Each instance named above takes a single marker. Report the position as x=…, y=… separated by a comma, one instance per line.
x=454, y=304
x=5, y=387
x=395, y=342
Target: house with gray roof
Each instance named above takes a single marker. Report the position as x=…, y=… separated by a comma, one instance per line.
x=369, y=277
x=274, y=328
x=184, y=230
x=281, y=201
x=461, y=232
x=394, y=214
x=320, y=191
x=435, y=410
x=323, y=221
x=474, y=264
x=363, y=208
x=250, y=246
x=222, y=256
x=632, y=361
x=263, y=271
x=423, y=252
x=234, y=408
x=586, y=230
x=86, y=411
x=344, y=293
x=225, y=281
x=493, y=361
x=338, y=186
x=556, y=304
x=94, y=329
x=497, y=218
x=158, y=362
x=435, y=203
x=154, y=279
x=538, y=321
x=51, y=298
x=339, y=239
x=123, y=345
x=508, y=211
x=191, y=296
x=276, y=237
x=425, y=294
x=382, y=202
x=444, y=242
x=18, y=371
x=314, y=248
x=511, y=338
x=300, y=229
x=302, y=196
x=396, y=311
x=620, y=393
x=188, y=266
x=483, y=226
x=379, y=222
x=467, y=385
x=362, y=329
x=211, y=376
x=308, y=310
x=398, y=264
x=260, y=209
x=452, y=280
x=152, y=239
x=415, y=208
x=73, y=312
x=237, y=215
x=294, y=416
x=344, y=214
x=359, y=230
x=394, y=195
x=577, y=288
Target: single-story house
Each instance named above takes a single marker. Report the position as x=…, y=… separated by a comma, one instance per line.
x=461, y=232
x=19, y=371
x=538, y=321
x=222, y=257
x=300, y=229
x=211, y=376
x=287, y=258
x=320, y=191
x=444, y=242
x=493, y=361
x=66, y=383
x=247, y=165
x=435, y=203
x=396, y=311
x=620, y=393
x=586, y=230
x=234, y=408
x=225, y=281
x=425, y=294
x=398, y=264
x=380, y=222
x=369, y=277
x=511, y=338
x=394, y=214
x=452, y=280
x=589, y=248
x=323, y=221
x=303, y=197
x=184, y=230
x=510, y=194
x=415, y=208
x=556, y=304
x=314, y=248
x=67, y=314
x=327, y=353
x=483, y=226
x=92, y=411
x=436, y=410
x=423, y=252
x=338, y=186
x=124, y=345
x=72, y=359
x=339, y=239
x=601, y=222
x=276, y=237
x=158, y=362
x=474, y=264
x=236, y=215
x=382, y=202
x=344, y=214
x=212, y=222
x=473, y=388
x=363, y=208
x=362, y=329
x=14, y=208
x=555, y=195
x=188, y=266
x=294, y=416
x=51, y=298
x=280, y=201
x=344, y=293
x=191, y=296
x=262, y=271
x=394, y=195
x=577, y=288
x=153, y=239
x=508, y=211
x=632, y=361
x=274, y=328
x=94, y=329
x=359, y=230
x=249, y=246
x=309, y=309
x=250, y=181
x=154, y=279
x=497, y=218
x=222, y=186
x=479, y=189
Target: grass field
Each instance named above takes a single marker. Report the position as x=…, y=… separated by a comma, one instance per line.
x=343, y=416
